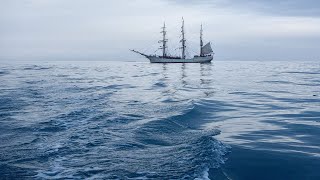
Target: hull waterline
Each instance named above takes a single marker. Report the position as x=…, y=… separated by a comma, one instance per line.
x=205, y=59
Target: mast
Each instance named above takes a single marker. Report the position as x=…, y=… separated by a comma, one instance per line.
x=201, y=41
x=183, y=41
x=164, y=40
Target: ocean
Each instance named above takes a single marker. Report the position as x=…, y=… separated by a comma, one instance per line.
x=136, y=120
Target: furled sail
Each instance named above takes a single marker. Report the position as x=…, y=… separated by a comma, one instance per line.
x=207, y=49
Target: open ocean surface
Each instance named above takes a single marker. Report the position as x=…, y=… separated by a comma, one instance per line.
x=136, y=120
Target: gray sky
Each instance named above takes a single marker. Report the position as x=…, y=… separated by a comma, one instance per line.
x=106, y=29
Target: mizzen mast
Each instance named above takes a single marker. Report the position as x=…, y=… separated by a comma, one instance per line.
x=201, y=41
x=183, y=41
x=164, y=40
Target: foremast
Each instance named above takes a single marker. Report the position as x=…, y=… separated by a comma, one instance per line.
x=183, y=41
x=164, y=41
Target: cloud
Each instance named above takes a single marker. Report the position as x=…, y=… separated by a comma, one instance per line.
x=270, y=7
x=284, y=7
x=105, y=30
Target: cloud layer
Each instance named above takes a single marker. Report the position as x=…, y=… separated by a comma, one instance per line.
x=105, y=30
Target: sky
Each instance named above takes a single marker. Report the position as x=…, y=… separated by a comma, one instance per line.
x=267, y=30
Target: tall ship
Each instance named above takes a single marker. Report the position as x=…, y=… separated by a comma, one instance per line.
x=205, y=55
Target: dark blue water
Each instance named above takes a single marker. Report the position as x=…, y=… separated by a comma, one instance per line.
x=136, y=120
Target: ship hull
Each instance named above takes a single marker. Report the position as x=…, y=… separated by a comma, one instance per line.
x=196, y=59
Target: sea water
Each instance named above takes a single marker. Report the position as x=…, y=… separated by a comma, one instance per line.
x=136, y=120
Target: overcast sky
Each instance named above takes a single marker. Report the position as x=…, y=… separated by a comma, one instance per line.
x=107, y=29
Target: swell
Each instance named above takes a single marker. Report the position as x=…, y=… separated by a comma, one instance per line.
x=162, y=148
x=176, y=148
x=114, y=122
x=37, y=67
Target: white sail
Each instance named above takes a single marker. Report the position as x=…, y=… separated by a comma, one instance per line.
x=207, y=49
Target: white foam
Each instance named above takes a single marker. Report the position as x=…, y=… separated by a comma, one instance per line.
x=204, y=175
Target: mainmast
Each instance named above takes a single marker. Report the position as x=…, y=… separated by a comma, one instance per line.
x=164, y=40
x=183, y=41
x=201, y=42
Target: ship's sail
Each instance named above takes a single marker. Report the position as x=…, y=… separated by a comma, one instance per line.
x=207, y=49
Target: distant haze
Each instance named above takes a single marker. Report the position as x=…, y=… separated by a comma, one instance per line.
x=107, y=29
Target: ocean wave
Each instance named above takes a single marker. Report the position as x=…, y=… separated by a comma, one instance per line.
x=159, y=85
x=37, y=67
x=279, y=82
x=149, y=121
x=302, y=72
x=164, y=148
x=4, y=72
x=183, y=158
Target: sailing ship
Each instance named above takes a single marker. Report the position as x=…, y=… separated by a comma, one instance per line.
x=205, y=55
